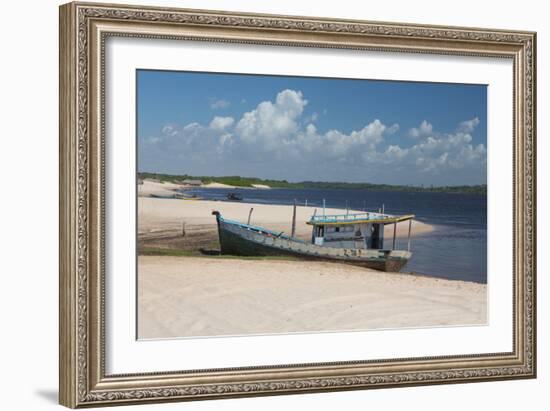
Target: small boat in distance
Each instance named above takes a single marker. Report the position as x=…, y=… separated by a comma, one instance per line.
x=234, y=197
x=163, y=196
x=349, y=238
x=176, y=196
x=182, y=196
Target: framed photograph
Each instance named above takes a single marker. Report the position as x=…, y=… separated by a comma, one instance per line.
x=259, y=204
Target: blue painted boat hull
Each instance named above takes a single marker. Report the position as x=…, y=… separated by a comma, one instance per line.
x=244, y=240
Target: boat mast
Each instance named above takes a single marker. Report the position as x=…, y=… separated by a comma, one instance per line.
x=293, y=231
x=409, y=239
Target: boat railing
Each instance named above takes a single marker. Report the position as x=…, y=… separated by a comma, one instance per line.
x=261, y=230
x=331, y=218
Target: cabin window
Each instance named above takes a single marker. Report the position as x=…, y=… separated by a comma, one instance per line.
x=336, y=229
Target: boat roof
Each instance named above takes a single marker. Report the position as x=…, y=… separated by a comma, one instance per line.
x=358, y=218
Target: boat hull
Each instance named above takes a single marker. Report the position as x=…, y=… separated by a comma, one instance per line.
x=239, y=239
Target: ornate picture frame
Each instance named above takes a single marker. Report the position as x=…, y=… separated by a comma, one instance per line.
x=84, y=28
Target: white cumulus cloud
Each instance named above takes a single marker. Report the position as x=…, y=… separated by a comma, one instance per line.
x=217, y=104
x=270, y=123
x=221, y=123
x=425, y=129
x=469, y=125
x=276, y=139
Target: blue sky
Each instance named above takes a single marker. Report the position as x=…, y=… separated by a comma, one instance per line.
x=299, y=128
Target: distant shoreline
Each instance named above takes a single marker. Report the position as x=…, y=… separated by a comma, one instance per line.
x=254, y=182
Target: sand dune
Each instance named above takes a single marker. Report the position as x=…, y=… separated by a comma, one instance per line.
x=198, y=296
x=151, y=187
x=217, y=185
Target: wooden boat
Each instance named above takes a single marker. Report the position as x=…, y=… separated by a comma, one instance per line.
x=234, y=197
x=181, y=196
x=177, y=196
x=163, y=196
x=349, y=238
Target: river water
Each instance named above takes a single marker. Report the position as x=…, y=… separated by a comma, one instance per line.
x=456, y=249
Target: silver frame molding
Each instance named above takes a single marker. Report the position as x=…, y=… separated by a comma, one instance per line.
x=84, y=27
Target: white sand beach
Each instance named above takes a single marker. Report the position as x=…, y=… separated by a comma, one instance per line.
x=164, y=214
x=194, y=294
x=170, y=214
x=149, y=187
x=201, y=296
x=217, y=185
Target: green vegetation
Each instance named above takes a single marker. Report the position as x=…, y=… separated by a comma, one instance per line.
x=165, y=252
x=239, y=181
x=168, y=252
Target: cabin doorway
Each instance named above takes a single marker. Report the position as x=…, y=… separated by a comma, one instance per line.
x=376, y=238
x=319, y=235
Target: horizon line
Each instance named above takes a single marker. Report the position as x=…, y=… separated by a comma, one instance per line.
x=314, y=181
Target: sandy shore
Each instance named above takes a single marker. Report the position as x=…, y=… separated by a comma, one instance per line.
x=150, y=187
x=198, y=296
x=167, y=216
x=217, y=185
x=162, y=214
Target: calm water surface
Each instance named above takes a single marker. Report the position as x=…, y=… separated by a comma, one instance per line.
x=456, y=249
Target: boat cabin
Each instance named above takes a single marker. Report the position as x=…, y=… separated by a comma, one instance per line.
x=359, y=231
